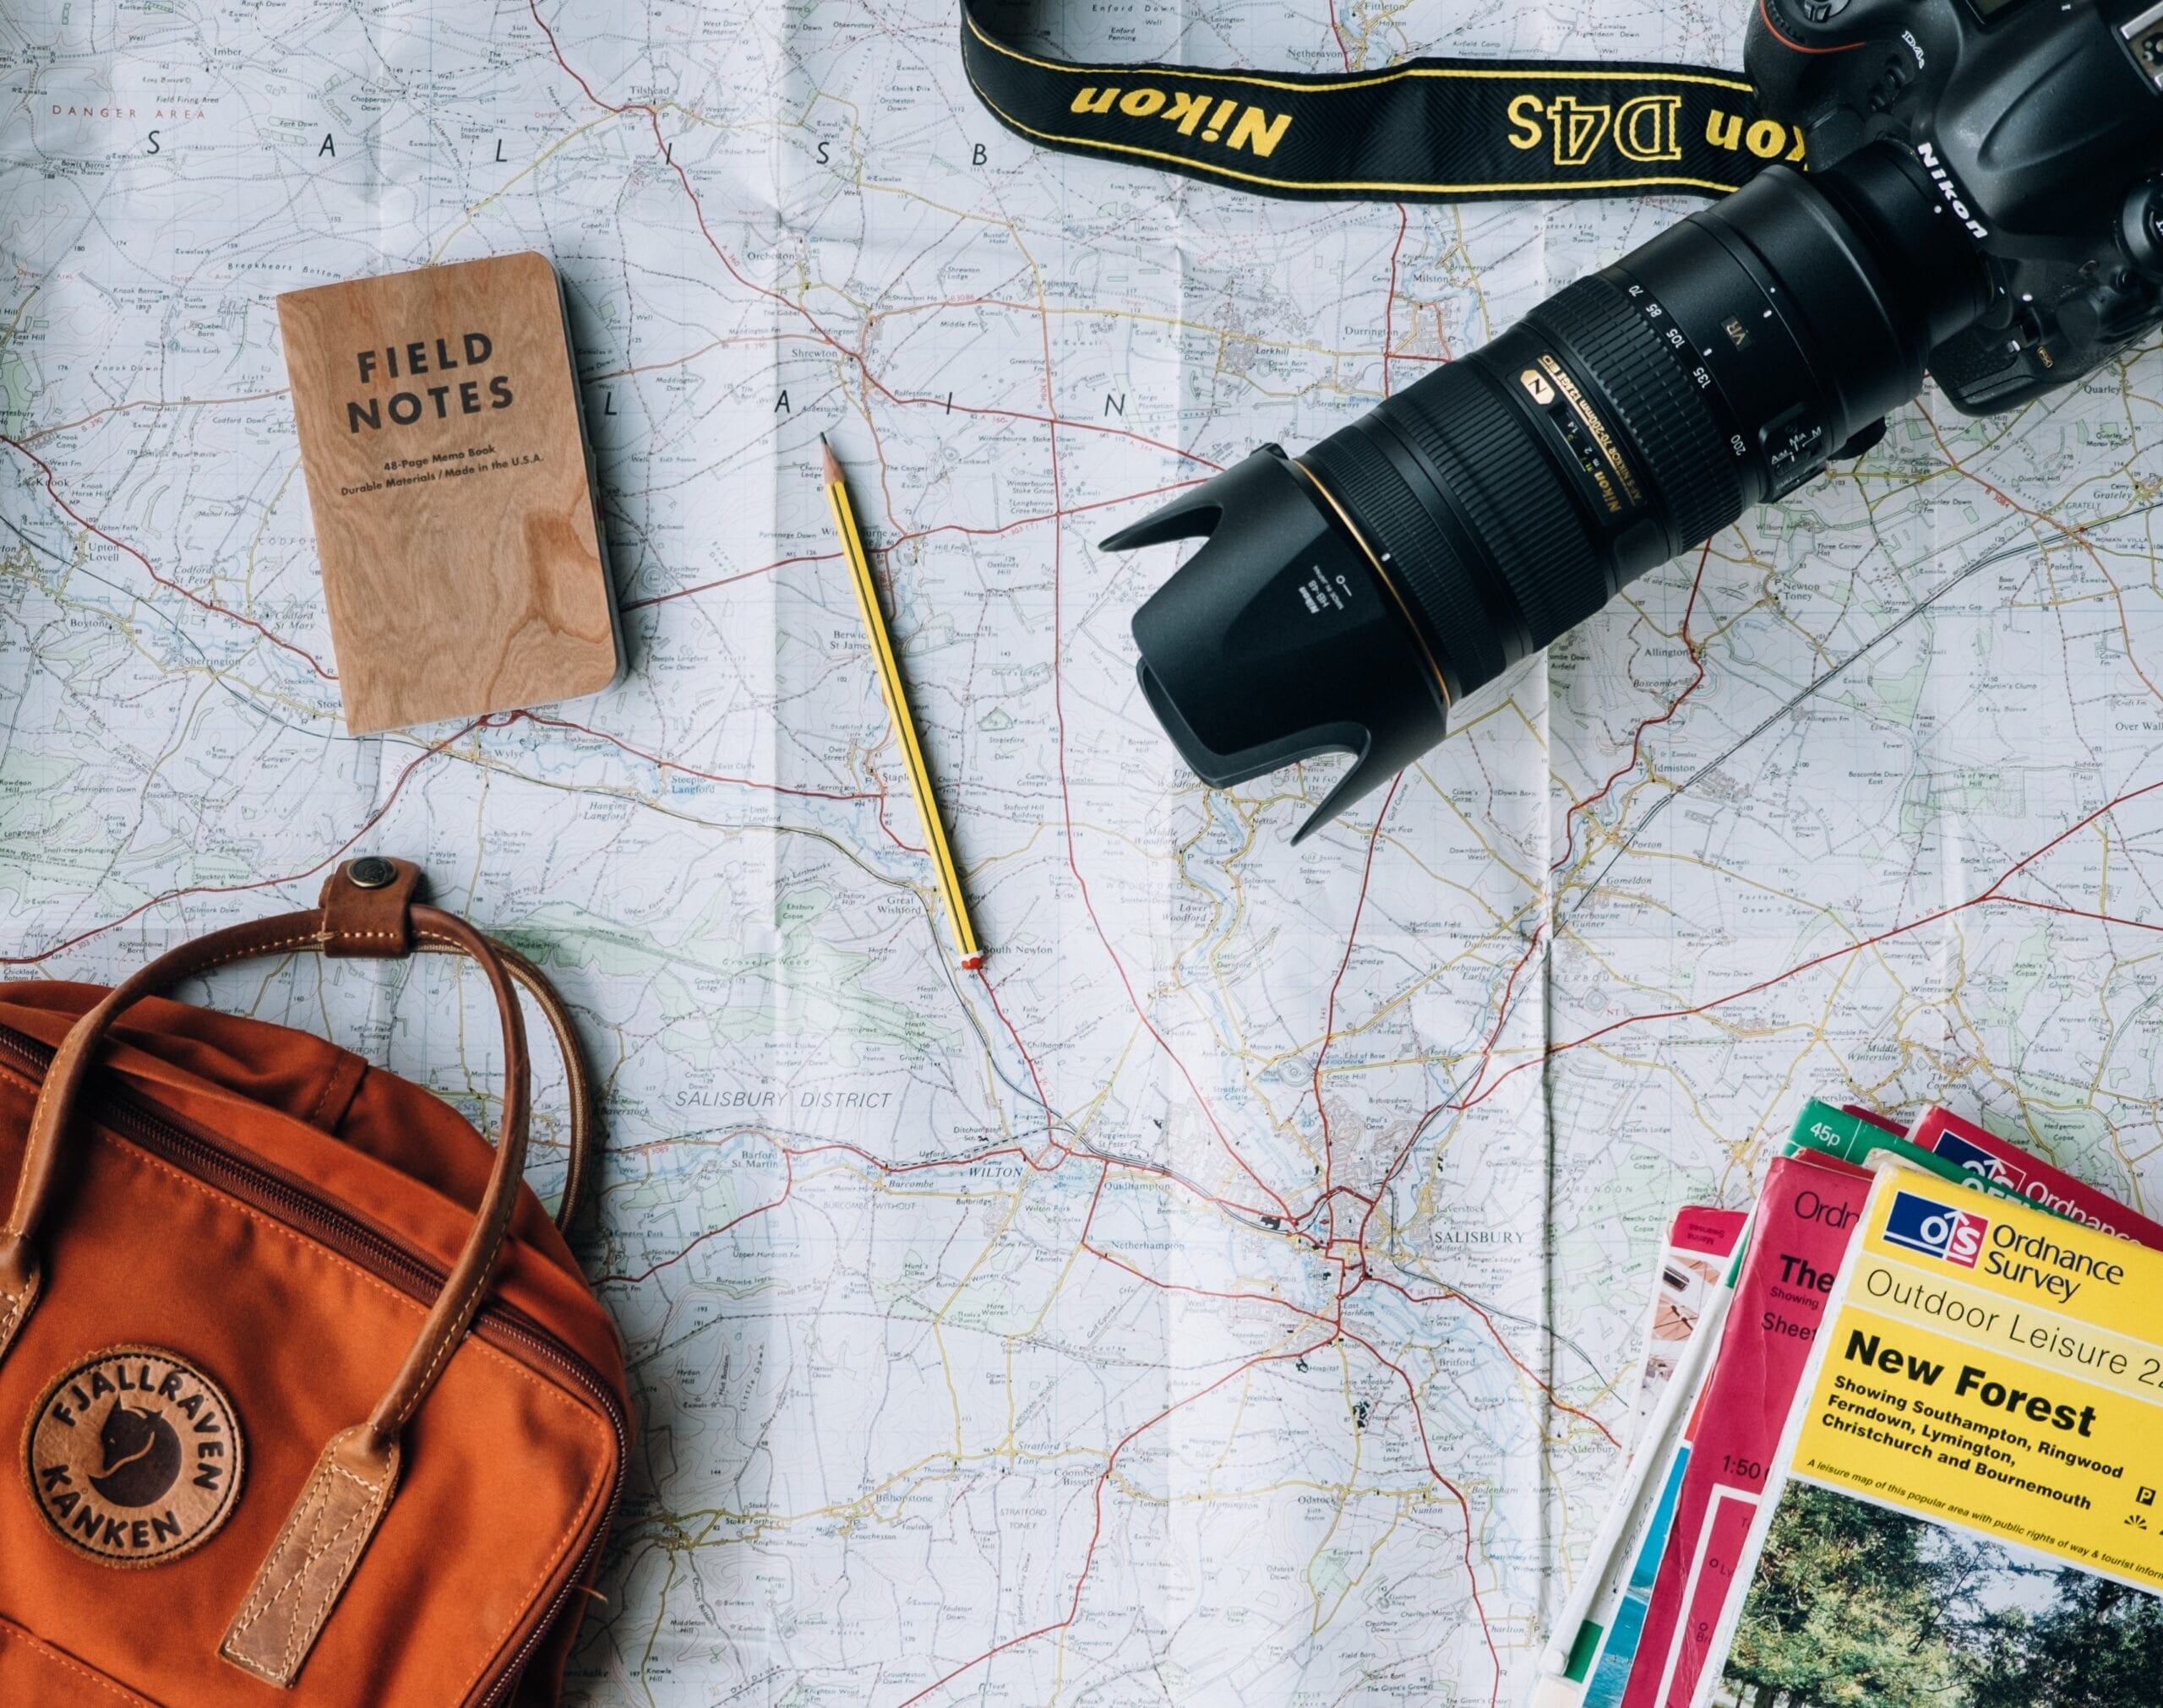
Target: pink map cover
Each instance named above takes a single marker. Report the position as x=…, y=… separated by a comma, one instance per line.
x=1809, y=1206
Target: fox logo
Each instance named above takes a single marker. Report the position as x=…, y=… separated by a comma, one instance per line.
x=142, y=1456
x=133, y=1457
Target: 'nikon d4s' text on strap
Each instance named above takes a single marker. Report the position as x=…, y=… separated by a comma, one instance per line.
x=1426, y=130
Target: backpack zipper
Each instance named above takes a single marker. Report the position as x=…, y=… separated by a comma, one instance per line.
x=268, y=1188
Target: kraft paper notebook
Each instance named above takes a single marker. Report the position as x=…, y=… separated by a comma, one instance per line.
x=448, y=476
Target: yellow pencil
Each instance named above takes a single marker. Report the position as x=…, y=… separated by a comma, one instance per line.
x=897, y=708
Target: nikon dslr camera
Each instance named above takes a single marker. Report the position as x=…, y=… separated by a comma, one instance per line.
x=1981, y=204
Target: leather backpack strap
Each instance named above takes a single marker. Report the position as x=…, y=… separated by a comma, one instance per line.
x=368, y=909
x=580, y=1141
x=344, y=1498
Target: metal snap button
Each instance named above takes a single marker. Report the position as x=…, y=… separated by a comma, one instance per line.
x=371, y=872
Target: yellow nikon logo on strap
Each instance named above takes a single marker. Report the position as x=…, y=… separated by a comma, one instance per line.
x=1253, y=128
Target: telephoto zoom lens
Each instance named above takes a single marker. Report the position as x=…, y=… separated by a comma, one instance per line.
x=1347, y=597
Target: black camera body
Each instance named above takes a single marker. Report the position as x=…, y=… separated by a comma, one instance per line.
x=2040, y=126
x=1981, y=204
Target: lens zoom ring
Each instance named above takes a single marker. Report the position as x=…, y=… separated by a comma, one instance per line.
x=1658, y=410
x=1486, y=456
x=1426, y=571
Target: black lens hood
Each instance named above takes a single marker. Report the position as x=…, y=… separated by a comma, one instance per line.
x=1282, y=638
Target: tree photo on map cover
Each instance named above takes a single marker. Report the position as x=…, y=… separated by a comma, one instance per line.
x=1856, y=1606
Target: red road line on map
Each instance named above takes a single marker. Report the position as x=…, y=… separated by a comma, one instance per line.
x=1344, y=53
x=1027, y=1061
x=886, y=1167
x=880, y=813
x=533, y=717
x=367, y=825
x=1984, y=898
x=1066, y=820
x=1105, y=1165
x=788, y=1185
x=1501, y=1015
x=146, y=403
x=904, y=539
x=2077, y=912
x=729, y=580
x=1097, y=1530
x=698, y=213
x=1329, y=1009
x=1389, y=302
x=1638, y=741
x=494, y=719
x=1030, y=521
x=1464, y=1507
x=1065, y=1156
x=1532, y=944
x=152, y=569
x=1096, y=1198
x=1486, y=1055
x=878, y=795
x=1102, y=1256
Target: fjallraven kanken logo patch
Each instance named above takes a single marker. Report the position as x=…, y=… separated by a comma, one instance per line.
x=133, y=1457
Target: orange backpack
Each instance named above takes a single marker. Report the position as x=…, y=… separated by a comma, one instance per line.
x=306, y=1399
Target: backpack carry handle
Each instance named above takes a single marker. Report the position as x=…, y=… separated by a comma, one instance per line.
x=367, y=910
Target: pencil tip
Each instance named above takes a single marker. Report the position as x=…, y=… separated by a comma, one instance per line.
x=826, y=454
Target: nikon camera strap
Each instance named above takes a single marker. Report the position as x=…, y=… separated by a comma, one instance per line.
x=1425, y=130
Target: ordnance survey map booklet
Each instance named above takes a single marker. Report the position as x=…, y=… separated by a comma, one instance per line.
x=1622, y=1606
x=1963, y=1512
x=1806, y=1217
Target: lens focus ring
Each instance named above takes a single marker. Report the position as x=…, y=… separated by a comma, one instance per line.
x=1419, y=560
x=1454, y=482
x=1487, y=459
x=1659, y=412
